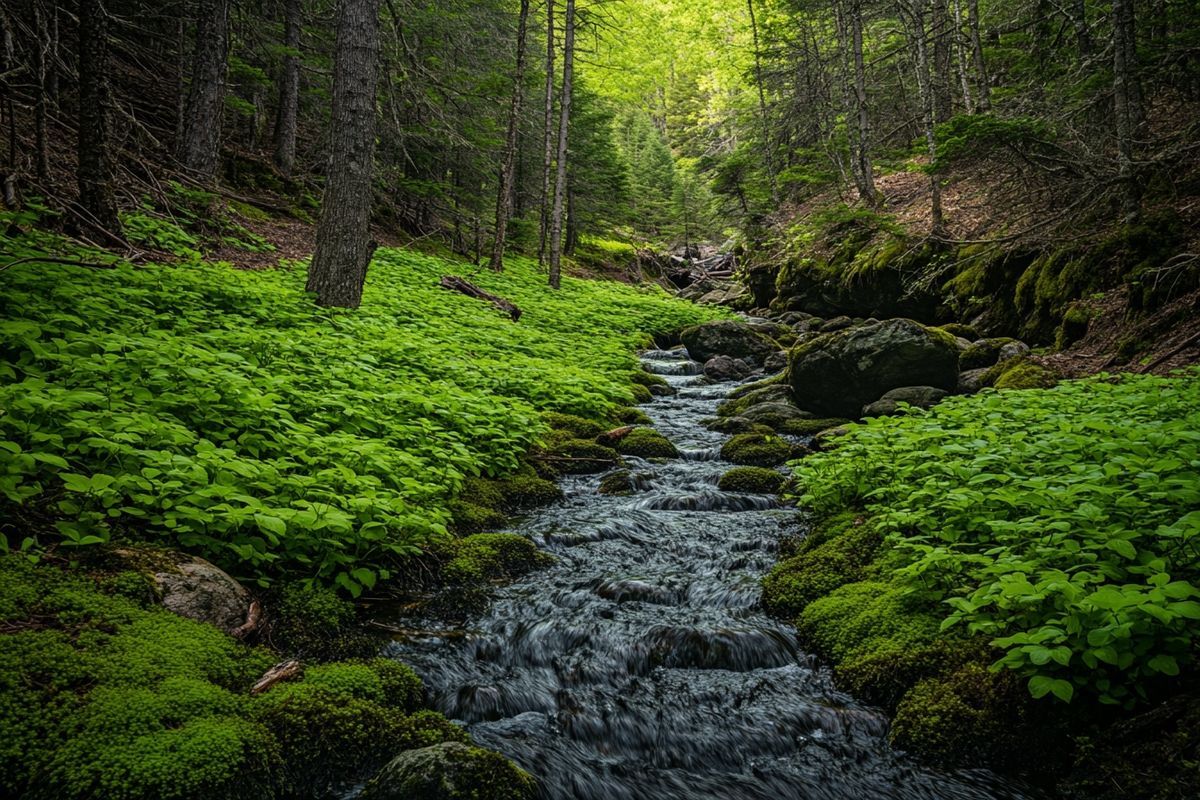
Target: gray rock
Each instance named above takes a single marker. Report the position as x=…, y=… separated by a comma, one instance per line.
x=196, y=589
x=727, y=338
x=774, y=414
x=986, y=353
x=450, y=771
x=836, y=324
x=726, y=368
x=919, y=396
x=776, y=362
x=973, y=380
x=826, y=438
x=1013, y=349
x=838, y=373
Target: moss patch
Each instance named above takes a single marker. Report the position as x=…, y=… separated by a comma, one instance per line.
x=646, y=443
x=756, y=450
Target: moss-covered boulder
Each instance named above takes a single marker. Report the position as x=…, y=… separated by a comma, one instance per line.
x=727, y=338
x=617, y=483
x=734, y=425
x=1024, y=374
x=756, y=450
x=450, y=771
x=775, y=415
x=762, y=393
x=646, y=443
x=916, y=396
x=960, y=331
x=578, y=427
x=488, y=557
x=726, y=368
x=812, y=427
x=582, y=457
x=837, y=374
x=835, y=553
x=752, y=480
x=983, y=353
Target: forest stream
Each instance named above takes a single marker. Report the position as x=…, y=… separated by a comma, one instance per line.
x=640, y=666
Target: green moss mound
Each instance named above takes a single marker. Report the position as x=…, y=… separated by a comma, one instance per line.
x=756, y=450
x=641, y=394
x=578, y=427
x=646, y=443
x=1025, y=374
x=838, y=552
x=316, y=624
x=961, y=331
x=619, y=483
x=752, y=480
x=489, y=557
x=583, y=457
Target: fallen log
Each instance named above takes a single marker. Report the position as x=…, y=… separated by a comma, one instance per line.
x=283, y=671
x=612, y=437
x=457, y=284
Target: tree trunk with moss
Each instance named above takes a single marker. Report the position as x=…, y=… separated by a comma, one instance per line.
x=508, y=167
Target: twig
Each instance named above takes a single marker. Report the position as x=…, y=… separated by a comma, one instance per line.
x=70, y=262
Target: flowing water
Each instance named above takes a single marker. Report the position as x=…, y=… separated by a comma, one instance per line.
x=639, y=667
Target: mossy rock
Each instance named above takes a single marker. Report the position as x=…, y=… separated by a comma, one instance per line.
x=582, y=457
x=735, y=425
x=527, y=490
x=486, y=557
x=865, y=616
x=641, y=394
x=811, y=427
x=982, y=353
x=1075, y=324
x=646, y=443
x=1024, y=374
x=756, y=450
x=657, y=384
x=618, y=483
x=632, y=416
x=773, y=393
x=961, y=331
x=450, y=771
x=837, y=553
x=578, y=427
x=467, y=517
x=752, y=480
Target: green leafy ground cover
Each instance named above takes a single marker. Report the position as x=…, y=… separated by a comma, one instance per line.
x=1039, y=543
x=222, y=413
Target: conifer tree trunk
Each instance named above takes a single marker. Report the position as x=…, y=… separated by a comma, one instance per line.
x=768, y=154
x=983, y=89
x=914, y=12
x=964, y=80
x=1125, y=103
x=865, y=171
x=548, y=144
x=941, y=74
x=339, y=264
x=289, y=90
x=564, y=124
x=96, y=171
x=508, y=168
x=199, y=146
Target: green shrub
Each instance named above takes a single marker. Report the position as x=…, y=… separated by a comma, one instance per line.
x=752, y=480
x=756, y=450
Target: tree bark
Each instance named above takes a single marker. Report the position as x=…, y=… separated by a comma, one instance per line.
x=199, y=146
x=564, y=124
x=96, y=173
x=40, y=108
x=915, y=13
x=865, y=171
x=768, y=154
x=344, y=249
x=941, y=73
x=1124, y=104
x=548, y=144
x=508, y=167
x=960, y=54
x=1083, y=35
x=289, y=90
x=983, y=83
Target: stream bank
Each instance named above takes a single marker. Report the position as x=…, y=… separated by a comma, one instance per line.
x=640, y=665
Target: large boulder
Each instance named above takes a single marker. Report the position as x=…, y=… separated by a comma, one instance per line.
x=450, y=771
x=727, y=338
x=194, y=588
x=838, y=373
x=726, y=368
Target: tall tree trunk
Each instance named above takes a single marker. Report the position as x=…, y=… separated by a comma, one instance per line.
x=1124, y=102
x=41, y=103
x=289, y=90
x=983, y=82
x=1083, y=35
x=768, y=150
x=339, y=264
x=548, y=143
x=96, y=171
x=960, y=54
x=564, y=124
x=508, y=168
x=915, y=13
x=8, y=176
x=943, y=103
x=865, y=171
x=199, y=146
